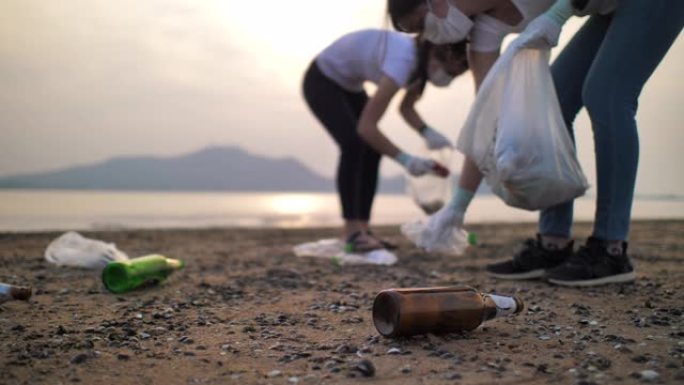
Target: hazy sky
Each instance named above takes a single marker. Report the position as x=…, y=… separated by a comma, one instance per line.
x=85, y=80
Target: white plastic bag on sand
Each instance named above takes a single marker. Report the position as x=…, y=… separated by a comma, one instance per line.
x=333, y=249
x=516, y=135
x=430, y=192
x=73, y=249
x=441, y=239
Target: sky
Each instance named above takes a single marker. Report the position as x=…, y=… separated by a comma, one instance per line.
x=82, y=81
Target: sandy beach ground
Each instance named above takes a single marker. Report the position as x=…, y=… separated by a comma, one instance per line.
x=247, y=311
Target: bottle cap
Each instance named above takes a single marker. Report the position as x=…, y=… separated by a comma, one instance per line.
x=472, y=239
x=21, y=293
x=506, y=305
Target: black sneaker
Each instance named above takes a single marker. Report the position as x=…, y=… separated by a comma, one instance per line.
x=531, y=262
x=592, y=265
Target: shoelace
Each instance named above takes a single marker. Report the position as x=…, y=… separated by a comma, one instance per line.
x=530, y=250
x=584, y=256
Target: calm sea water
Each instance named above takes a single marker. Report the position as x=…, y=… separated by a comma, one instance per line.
x=34, y=210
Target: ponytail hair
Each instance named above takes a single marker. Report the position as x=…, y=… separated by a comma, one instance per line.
x=420, y=74
x=397, y=9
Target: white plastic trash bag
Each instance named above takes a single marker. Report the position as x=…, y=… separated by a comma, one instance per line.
x=430, y=192
x=516, y=135
x=73, y=249
x=437, y=239
x=333, y=249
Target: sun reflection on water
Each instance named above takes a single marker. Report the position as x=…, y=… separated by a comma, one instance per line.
x=295, y=204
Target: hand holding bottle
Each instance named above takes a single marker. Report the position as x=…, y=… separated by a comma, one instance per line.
x=417, y=166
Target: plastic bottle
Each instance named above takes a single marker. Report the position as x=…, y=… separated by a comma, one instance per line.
x=406, y=312
x=11, y=292
x=123, y=276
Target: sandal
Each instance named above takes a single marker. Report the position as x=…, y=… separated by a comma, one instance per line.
x=362, y=242
x=386, y=244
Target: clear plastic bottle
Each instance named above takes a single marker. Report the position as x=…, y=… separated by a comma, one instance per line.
x=405, y=312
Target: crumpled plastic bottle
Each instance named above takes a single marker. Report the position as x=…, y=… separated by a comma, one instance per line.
x=448, y=240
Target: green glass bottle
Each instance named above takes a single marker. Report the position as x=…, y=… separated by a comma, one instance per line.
x=123, y=276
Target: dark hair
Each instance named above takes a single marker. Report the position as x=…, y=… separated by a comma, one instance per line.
x=442, y=53
x=397, y=9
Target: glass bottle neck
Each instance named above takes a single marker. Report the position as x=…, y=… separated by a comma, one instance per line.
x=501, y=306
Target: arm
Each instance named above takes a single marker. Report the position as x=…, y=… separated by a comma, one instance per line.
x=408, y=110
x=452, y=215
x=433, y=138
x=369, y=131
x=480, y=63
x=371, y=115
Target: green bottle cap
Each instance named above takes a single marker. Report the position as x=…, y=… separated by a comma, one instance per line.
x=472, y=239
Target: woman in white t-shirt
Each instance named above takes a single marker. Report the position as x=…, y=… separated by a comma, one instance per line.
x=333, y=89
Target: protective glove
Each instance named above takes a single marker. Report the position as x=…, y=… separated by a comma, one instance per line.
x=414, y=165
x=434, y=139
x=543, y=32
x=442, y=232
x=445, y=219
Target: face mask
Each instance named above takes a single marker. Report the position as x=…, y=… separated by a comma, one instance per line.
x=452, y=29
x=440, y=78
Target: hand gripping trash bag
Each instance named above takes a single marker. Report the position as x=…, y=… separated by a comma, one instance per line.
x=430, y=192
x=516, y=135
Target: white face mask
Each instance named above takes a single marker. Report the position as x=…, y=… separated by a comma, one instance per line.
x=440, y=77
x=452, y=29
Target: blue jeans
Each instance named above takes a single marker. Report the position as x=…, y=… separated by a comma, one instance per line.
x=604, y=68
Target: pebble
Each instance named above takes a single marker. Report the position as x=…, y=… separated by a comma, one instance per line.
x=648, y=375
x=394, y=351
x=79, y=358
x=453, y=376
x=366, y=368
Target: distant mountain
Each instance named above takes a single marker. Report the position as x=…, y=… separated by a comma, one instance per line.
x=211, y=169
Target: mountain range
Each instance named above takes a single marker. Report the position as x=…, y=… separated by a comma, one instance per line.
x=210, y=169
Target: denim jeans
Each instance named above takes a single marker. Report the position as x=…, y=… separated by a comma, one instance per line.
x=604, y=68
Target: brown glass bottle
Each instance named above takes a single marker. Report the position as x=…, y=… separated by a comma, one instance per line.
x=405, y=312
x=11, y=292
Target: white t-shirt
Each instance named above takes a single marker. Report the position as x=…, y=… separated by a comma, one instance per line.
x=367, y=55
x=488, y=32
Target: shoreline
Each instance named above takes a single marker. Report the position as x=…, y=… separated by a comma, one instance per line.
x=384, y=226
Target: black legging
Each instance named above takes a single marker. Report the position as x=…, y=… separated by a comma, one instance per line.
x=339, y=111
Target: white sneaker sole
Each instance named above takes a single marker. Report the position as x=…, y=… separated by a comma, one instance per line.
x=533, y=274
x=620, y=278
